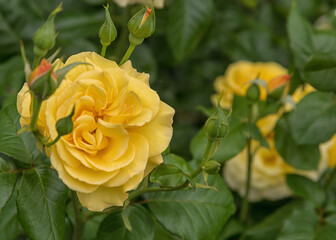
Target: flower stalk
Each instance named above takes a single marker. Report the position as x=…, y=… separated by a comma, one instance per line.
x=36, y=110
x=245, y=204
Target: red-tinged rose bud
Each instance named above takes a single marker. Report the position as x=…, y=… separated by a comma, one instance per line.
x=141, y=25
x=43, y=81
x=147, y=13
x=277, y=82
x=278, y=86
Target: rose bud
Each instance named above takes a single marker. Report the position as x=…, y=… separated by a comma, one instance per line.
x=211, y=167
x=107, y=32
x=43, y=81
x=253, y=92
x=141, y=25
x=277, y=86
x=216, y=126
x=45, y=36
x=64, y=125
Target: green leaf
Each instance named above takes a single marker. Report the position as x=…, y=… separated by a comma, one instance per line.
x=188, y=20
x=300, y=36
x=229, y=147
x=178, y=162
x=172, y=172
x=300, y=225
x=314, y=120
x=310, y=49
x=231, y=229
x=269, y=228
x=306, y=188
x=11, y=77
x=305, y=157
x=194, y=215
x=60, y=73
x=113, y=226
x=326, y=232
x=10, y=227
x=20, y=147
x=7, y=182
x=162, y=234
x=41, y=202
x=320, y=71
x=255, y=134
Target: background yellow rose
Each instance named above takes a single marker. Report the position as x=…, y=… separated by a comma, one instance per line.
x=120, y=129
x=268, y=168
x=268, y=173
x=238, y=74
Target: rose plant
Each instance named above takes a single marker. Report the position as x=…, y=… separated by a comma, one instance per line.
x=87, y=147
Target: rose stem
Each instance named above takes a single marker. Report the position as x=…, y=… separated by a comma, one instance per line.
x=245, y=204
x=127, y=54
x=79, y=221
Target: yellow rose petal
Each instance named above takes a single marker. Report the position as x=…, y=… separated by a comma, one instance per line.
x=152, y=163
x=144, y=77
x=71, y=182
x=102, y=198
x=135, y=167
x=158, y=132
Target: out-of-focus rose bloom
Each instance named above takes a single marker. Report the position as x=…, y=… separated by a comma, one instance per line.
x=268, y=168
x=268, y=174
x=236, y=78
x=328, y=150
x=120, y=129
x=124, y=3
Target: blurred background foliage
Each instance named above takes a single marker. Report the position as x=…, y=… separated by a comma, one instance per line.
x=193, y=43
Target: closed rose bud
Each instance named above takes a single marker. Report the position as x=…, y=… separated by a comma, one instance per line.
x=45, y=36
x=253, y=92
x=211, y=167
x=216, y=127
x=141, y=25
x=64, y=125
x=277, y=86
x=107, y=32
x=43, y=81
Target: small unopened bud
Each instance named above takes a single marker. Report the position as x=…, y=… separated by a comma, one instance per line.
x=253, y=92
x=45, y=36
x=277, y=86
x=141, y=25
x=211, y=167
x=64, y=125
x=216, y=126
x=107, y=32
x=43, y=81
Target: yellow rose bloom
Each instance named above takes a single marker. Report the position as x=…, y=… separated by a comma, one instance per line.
x=268, y=179
x=120, y=129
x=237, y=76
x=124, y=3
x=268, y=168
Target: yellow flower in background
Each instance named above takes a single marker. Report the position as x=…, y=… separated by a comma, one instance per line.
x=236, y=78
x=268, y=173
x=120, y=129
x=328, y=151
x=124, y=3
x=268, y=168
